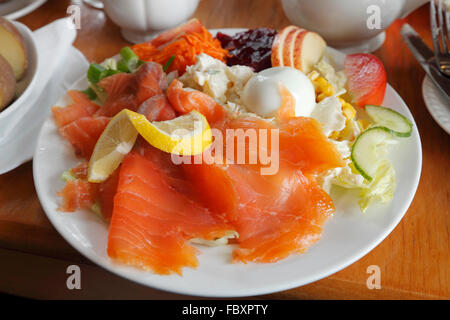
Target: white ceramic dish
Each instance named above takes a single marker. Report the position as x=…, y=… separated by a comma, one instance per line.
x=436, y=104
x=347, y=236
x=15, y=9
x=141, y=20
x=361, y=23
x=26, y=84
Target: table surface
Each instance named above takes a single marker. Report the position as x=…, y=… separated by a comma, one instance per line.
x=413, y=259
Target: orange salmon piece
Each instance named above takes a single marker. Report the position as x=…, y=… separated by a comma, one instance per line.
x=81, y=107
x=84, y=133
x=184, y=101
x=77, y=194
x=151, y=81
x=157, y=108
x=152, y=221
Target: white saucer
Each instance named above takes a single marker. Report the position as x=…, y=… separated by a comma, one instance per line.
x=14, y=9
x=436, y=104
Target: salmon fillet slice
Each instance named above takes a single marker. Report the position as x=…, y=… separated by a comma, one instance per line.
x=152, y=221
x=184, y=101
x=81, y=107
x=83, y=134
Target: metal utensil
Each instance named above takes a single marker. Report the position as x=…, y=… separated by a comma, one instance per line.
x=426, y=58
x=440, y=31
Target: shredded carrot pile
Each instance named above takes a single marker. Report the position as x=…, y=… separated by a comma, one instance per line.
x=185, y=48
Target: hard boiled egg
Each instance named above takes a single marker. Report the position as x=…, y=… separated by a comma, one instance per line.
x=262, y=95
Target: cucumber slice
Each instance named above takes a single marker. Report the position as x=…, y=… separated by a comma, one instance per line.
x=365, y=153
x=390, y=119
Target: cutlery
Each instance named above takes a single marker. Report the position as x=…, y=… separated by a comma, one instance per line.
x=427, y=59
x=440, y=31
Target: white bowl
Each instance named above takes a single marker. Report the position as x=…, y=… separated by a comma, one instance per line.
x=26, y=84
x=142, y=20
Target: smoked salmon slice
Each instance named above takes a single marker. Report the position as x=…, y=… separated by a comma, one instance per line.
x=275, y=215
x=81, y=107
x=120, y=92
x=151, y=80
x=83, y=134
x=184, y=101
x=302, y=143
x=77, y=194
x=128, y=91
x=152, y=221
x=157, y=108
x=82, y=194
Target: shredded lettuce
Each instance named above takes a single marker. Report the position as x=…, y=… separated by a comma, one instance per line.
x=97, y=209
x=230, y=234
x=67, y=176
x=346, y=177
x=381, y=188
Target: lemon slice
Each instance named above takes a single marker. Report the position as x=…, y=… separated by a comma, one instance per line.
x=186, y=135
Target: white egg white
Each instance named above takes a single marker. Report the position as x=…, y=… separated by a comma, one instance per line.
x=262, y=96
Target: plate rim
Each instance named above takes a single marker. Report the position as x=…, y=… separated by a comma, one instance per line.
x=30, y=7
x=430, y=92
x=285, y=285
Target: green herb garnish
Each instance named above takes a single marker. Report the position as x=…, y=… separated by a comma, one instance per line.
x=169, y=62
x=97, y=72
x=130, y=62
x=90, y=93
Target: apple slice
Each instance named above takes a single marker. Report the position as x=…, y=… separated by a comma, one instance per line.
x=308, y=49
x=278, y=46
x=298, y=48
x=290, y=47
x=7, y=83
x=12, y=47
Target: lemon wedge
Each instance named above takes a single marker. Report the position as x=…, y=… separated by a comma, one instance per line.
x=186, y=135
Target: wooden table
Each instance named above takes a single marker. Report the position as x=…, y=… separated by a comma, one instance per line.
x=414, y=259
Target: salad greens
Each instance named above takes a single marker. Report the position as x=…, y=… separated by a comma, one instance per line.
x=68, y=176
x=168, y=63
x=381, y=188
x=128, y=63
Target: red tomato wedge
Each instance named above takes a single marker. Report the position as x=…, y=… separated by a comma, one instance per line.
x=366, y=79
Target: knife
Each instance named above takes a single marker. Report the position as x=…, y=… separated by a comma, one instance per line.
x=425, y=56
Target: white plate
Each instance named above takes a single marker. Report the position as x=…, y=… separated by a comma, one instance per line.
x=15, y=9
x=347, y=236
x=436, y=104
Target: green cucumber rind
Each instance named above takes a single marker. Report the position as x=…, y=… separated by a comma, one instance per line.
x=406, y=120
x=352, y=156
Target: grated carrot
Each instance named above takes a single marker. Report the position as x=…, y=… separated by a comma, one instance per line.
x=185, y=48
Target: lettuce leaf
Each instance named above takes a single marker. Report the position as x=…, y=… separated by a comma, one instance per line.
x=97, y=209
x=67, y=176
x=381, y=188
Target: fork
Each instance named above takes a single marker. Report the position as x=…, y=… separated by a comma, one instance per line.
x=440, y=31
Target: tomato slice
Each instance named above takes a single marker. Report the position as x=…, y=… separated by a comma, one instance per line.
x=366, y=79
